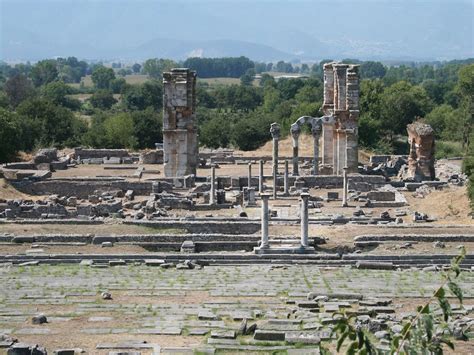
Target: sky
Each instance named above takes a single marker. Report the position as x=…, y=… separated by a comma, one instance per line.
x=266, y=29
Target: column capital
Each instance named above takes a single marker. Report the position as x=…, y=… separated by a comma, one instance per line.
x=275, y=130
x=305, y=196
x=265, y=196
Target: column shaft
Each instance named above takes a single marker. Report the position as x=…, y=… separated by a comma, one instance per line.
x=304, y=219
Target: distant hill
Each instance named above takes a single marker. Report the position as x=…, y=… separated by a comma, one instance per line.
x=266, y=30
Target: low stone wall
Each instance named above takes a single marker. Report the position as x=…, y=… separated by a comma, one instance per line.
x=81, y=189
x=207, y=227
x=100, y=153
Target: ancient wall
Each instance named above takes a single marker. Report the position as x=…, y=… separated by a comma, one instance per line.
x=421, y=157
x=180, y=140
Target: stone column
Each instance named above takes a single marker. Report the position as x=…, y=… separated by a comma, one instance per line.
x=316, y=132
x=275, y=131
x=328, y=143
x=345, y=184
x=328, y=104
x=295, y=133
x=260, y=177
x=249, y=177
x=212, y=199
x=285, y=181
x=264, y=243
x=352, y=151
x=340, y=156
x=304, y=219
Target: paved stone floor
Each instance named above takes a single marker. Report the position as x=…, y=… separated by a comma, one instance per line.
x=180, y=310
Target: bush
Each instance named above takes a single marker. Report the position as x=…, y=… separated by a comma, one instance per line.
x=102, y=99
x=446, y=149
x=9, y=133
x=251, y=132
x=119, y=131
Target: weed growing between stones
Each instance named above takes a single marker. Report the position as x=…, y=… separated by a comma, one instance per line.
x=426, y=333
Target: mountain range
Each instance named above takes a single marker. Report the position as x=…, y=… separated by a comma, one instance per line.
x=263, y=30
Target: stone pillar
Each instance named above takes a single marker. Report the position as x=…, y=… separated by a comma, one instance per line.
x=260, y=177
x=340, y=156
x=212, y=198
x=340, y=90
x=328, y=104
x=352, y=151
x=304, y=219
x=345, y=184
x=316, y=132
x=295, y=133
x=275, y=131
x=249, y=177
x=285, y=181
x=264, y=244
x=328, y=144
x=180, y=139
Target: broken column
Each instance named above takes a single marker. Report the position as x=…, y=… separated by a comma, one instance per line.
x=295, y=133
x=249, y=177
x=316, y=132
x=285, y=179
x=260, y=177
x=213, y=185
x=265, y=243
x=180, y=140
x=422, y=148
x=304, y=219
x=275, y=131
x=345, y=184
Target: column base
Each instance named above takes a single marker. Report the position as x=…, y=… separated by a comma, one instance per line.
x=297, y=250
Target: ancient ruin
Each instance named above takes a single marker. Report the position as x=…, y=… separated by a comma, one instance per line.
x=421, y=157
x=173, y=250
x=337, y=129
x=180, y=138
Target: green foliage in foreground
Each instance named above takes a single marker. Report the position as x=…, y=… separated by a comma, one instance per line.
x=427, y=333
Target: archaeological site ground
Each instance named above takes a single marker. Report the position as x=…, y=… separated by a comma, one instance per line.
x=186, y=250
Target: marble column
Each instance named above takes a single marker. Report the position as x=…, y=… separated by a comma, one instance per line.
x=285, y=181
x=304, y=219
x=316, y=132
x=260, y=177
x=212, y=199
x=345, y=184
x=249, y=177
x=275, y=131
x=295, y=133
x=265, y=243
x=328, y=144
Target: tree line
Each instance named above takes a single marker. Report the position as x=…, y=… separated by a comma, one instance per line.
x=40, y=106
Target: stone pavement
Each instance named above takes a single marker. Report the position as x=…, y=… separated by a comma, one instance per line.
x=208, y=309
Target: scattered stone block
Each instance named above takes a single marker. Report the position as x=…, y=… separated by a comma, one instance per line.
x=270, y=335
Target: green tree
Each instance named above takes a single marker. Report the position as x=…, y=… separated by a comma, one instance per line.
x=102, y=77
x=156, y=66
x=102, y=99
x=18, y=88
x=44, y=72
x=45, y=123
x=136, y=68
x=9, y=133
x=147, y=128
x=119, y=131
x=57, y=92
x=401, y=104
x=466, y=85
x=215, y=132
x=140, y=97
x=372, y=70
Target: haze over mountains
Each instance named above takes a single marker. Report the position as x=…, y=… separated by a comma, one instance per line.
x=261, y=30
